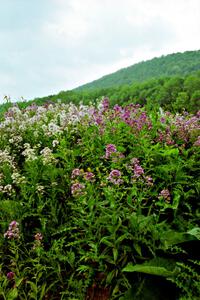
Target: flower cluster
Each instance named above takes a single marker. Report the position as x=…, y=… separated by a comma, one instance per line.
x=47, y=156
x=29, y=152
x=76, y=172
x=197, y=142
x=77, y=189
x=165, y=194
x=7, y=189
x=37, y=240
x=89, y=176
x=115, y=177
x=17, y=178
x=110, y=149
x=13, y=231
x=137, y=169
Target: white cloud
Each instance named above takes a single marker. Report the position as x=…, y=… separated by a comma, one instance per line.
x=48, y=46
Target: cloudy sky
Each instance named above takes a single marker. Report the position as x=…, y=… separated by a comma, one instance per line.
x=51, y=45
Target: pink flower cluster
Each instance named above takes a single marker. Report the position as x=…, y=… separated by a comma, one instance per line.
x=115, y=177
x=139, y=172
x=38, y=240
x=197, y=143
x=76, y=173
x=105, y=103
x=13, y=231
x=165, y=194
x=137, y=169
x=89, y=176
x=77, y=189
x=110, y=148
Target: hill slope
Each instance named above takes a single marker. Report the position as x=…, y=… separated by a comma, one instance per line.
x=164, y=66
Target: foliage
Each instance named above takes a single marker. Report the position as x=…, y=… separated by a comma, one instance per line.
x=99, y=198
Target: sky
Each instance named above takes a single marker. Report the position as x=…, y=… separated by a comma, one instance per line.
x=47, y=46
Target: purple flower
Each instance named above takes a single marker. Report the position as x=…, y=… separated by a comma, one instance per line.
x=89, y=176
x=117, y=108
x=110, y=148
x=162, y=120
x=197, y=143
x=165, y=194
x=77, y=189
x=149, y=180
x=105, y=104
x=10, y=275
x=75, y=173
x=138, y=170
x=114, y=177
x=13, y=231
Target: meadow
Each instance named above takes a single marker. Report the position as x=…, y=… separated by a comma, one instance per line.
x=99, y=202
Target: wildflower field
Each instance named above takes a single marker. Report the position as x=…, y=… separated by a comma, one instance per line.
x=99, y=202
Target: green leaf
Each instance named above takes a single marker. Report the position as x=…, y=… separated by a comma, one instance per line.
x=172, y=237
x=195, y=232
x=138, y=248
x=159, y=271
x=158, y=266
x=13, y=294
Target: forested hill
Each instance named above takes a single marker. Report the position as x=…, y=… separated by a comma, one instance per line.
x=164, y=66
x=172, y=82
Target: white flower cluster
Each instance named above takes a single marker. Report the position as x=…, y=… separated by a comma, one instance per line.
x=17, y=178
x=5, y=157
x=29, y=153
x=47, y=156
x=7, y=189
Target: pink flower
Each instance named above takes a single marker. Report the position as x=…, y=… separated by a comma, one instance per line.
x=75, y=173
x=197, y=143
x=114, y=177
x=10, y=275
x=38, y=236
x=89, y=176
x=138, y=170
x=77, y=189
x=149, y=180
x=165, y=194
x=38, y=240
x=13, y=231
x=110, y=148
x=105, y=104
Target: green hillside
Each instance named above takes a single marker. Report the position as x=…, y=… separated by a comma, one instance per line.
x=170, y=65
x=172, y=82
